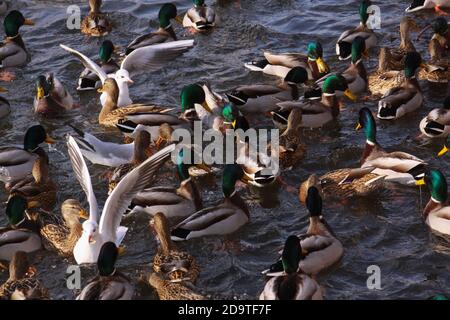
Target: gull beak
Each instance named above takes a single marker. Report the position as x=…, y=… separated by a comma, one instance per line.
x=83, y=214
x=358, y=126
x=91, y=239
x=121, y=250
x=128, y=80
x=322, y=66
x=443, y=151
x=28, y=22
x=350, y=95
x=204, y=167
x=420, y=182
x=40, y=93
x=3, y=89
x=179, y=19
x=49, y=140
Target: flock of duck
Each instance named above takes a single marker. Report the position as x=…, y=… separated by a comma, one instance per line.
x=176, y=212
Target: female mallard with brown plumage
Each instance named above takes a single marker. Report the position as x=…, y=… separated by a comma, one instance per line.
x=167, y=290
x=22, y=283
x=319, y=247
x=96, y=23
x=392, y=60
x=176, y=265
x=291, y=285
x=437, y=123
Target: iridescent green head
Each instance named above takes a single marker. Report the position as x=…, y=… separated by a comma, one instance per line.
x=231, y=174
x=15, y=209
x=106, y=51
x=314, y=50
x=413, y=61
x=191, y=95
x=333, y=83
x=43, y=86
x=292, y=254
x=107, y=259
x=367, y=122
x=198, y=2
x=440, y=26
x=358, y=49
x=34, y=137
x=436, y=183
x=296, y=75
x=167, y=12
x=363, y=8
x=13, y=21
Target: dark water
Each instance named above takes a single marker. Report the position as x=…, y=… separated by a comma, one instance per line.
x=387, y=231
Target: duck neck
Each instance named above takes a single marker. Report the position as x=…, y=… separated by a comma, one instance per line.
x=236, y=200
x=169, y=31
x=314, y=68
x=431, y=206
x=164, y=237
x=370, y=146
x=412, y=81
x=405, y=41
x=95, y=6
x=331, y=101
x=109, y=106
x=189, y=190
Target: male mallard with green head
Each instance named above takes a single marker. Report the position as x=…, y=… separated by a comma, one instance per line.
x=51, y=98
x=13, y=52
x=291, y=285
x=96, y=23
x=356, y=74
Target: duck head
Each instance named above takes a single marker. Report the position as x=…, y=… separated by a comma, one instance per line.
x=13, y=21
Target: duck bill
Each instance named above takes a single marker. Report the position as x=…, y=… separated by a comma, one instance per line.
x=350, y=95
x=121, y=251
x=83, y=214
x=40, y=93
x=443, y=151
x=179, y=19
x=49, y=140
x=358, y=127
x=28, y=22
x=420, y=182
x=322, y=66
x=3, y=89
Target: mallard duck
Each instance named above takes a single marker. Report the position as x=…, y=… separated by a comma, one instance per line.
x=165, y=32
x=17, y=163
x=408, y=97
x=226, y=218
x=262, y=98
x=437, y=123
x=178, y=266
x=417, y=5
x=356, y=74
x=168, y=290
x=98, y=231
x=5, y=107
x=96, y=23
x=141, y=153
x=51, y=97
x=344, y=43
x=172, y=202
x=396, y=166
x=22, y=278
x=40, y=190
x=446, y=147
x=13, y=52
x=291, y=285
x=437, y=211
x=316, y=113
x=392, y=60
x=22, y=233
x=280, y=64
x=320, y=249
x=145, y=59
x=110, y=284
x=344, y=184
x=200, y=17
x=88, y=79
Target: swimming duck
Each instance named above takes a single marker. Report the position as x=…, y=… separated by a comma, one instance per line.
x=60, y=233
x=437, y=211
x=165, y=32
x=226, y=218
x=356, y=74
x=51, y=97
x=407, y=97
x=110, y=284
x=16, y=163
x=176, y=265
x=172, y=202
x=97, y=231
x=262, y=98
x=291, y=285
x=141, y=153
x=280, y=64
x=22, y=234
x=316, y=113
x=22, y=278
x=417, y=5
x=396, y=166
x=168, y=290
x=344, y=183
x=320, y=247
x=291, y=148
x=446, y=147
x=13, y=52
x=5, y=107
x=344, y=43
x=88, y=79
x=96, y=23
x=392, y=60
x=200, y=17
x=145, y=59
x=437, y=123
x=39, y=190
